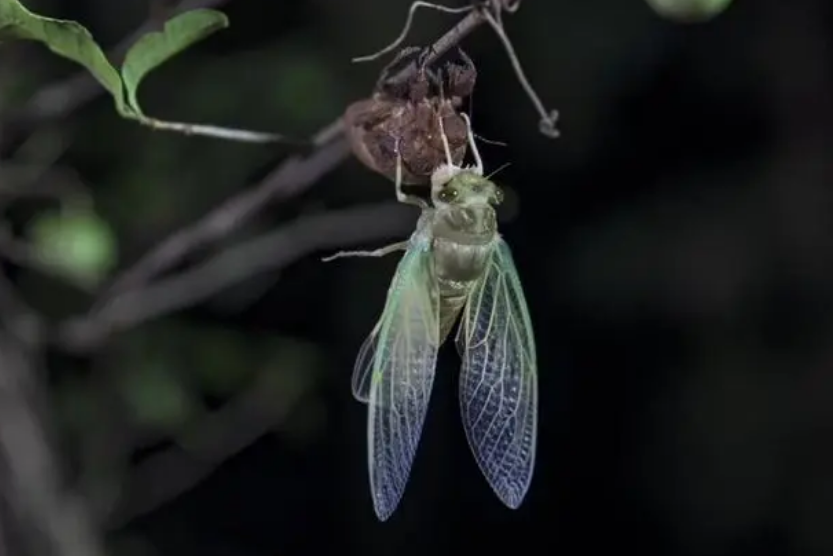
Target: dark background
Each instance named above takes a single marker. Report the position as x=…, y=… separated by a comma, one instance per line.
x=675, y=244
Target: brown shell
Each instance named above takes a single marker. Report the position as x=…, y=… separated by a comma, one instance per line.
x=374, y=125
x=408, y=114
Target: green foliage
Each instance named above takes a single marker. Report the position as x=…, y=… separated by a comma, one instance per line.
x=157, y=396
x=65, y=38
x=689, y=11
x=73, y=41
x=75, y=243
x=156, y=48
x=167, y=369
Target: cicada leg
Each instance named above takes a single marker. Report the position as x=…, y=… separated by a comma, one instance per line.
x=381, y=252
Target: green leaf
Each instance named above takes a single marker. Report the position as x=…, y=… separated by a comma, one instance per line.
x=65, y=38
x=156, y=48
x=75, y=244
x=157, y=397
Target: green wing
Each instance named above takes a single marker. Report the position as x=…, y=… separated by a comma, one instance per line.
x=363, y=369
x=395, y=372
x=498, y=382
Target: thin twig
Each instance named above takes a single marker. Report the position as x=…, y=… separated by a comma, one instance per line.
x=62, y=98
x=228, y=133
x=290, y=178
x=268, y=252
x=407, y=27
x=548, y=117
x=44, y=181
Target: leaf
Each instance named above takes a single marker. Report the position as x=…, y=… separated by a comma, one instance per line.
x=73, y=41
x=65, y=38
x=157, y=397
x=76, y=244
x=156, y=48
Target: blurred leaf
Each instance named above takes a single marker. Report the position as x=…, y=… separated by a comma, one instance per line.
x=157, y=397
x=77, y=245
x=65, y=38
x=302, y=86
x=156, y=48
x=689, y=11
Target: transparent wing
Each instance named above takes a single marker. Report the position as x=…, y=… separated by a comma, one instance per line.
x=363, y=369
x=498, y=382
x=403, y=361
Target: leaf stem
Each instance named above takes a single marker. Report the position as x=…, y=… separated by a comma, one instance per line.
x=227, y=133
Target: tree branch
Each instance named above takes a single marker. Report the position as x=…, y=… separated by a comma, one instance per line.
x=49, y=520
x=328, y=230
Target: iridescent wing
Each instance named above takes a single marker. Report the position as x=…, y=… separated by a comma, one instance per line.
x=363, y=368
x=498, y=381
x=403, y=352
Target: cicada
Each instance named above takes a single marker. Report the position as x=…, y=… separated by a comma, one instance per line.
x=456, y=266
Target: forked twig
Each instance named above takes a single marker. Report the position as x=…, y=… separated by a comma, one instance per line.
x=548, y=118
x=406, y=29
x=491, y=12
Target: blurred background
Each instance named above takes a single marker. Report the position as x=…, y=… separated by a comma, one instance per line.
x=675, y=244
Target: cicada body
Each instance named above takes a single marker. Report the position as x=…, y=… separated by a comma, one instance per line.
x=456, y=267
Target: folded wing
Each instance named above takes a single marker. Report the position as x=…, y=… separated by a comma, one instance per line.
x=401, y=355
x=498, y=382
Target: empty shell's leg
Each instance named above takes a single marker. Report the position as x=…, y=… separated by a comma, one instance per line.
x=401, y=196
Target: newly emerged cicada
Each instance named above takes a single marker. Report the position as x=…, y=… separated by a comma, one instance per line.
x=456, y=265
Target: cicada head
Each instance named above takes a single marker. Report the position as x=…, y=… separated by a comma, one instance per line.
x=468, y=188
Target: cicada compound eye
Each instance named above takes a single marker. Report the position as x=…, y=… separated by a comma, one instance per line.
x=448, y=194
x=498, y=196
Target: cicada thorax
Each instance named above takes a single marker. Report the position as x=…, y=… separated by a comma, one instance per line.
x=463, y=240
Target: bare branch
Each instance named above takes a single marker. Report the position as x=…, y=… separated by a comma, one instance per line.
x=218, y=132
x=269, y=252
x=454, y=36
x=52, y=521
x=290, y=178
x=407, y=27
x=21, y=320
x=548, y=117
